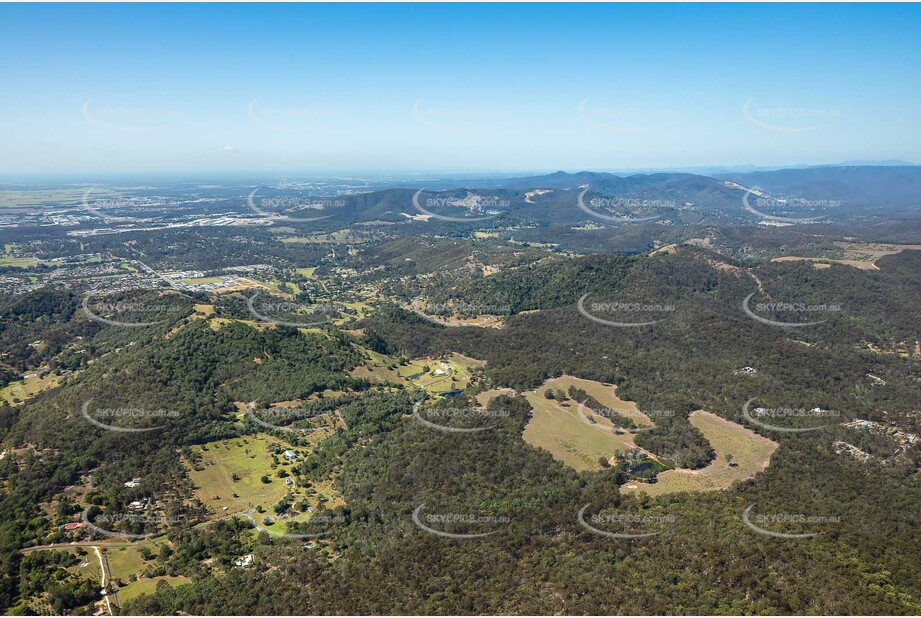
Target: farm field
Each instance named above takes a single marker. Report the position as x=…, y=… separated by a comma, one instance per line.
x=482, y=321
x=125, y=561
x=456, y=368
x=13, y=198
x=451, y=372
x=377, y=369
x=606, y=394
x=558, y=429
x=249, y=458
x=750, y=452
x=217, y=323
x=28, y=388
x=202, y=280
x=88, y=567
x=340, y=236
x=18, y=262
x=148, y=586
x=484, y=397
x=858, y=255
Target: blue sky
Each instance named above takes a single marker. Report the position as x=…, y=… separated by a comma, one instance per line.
x=454, y=88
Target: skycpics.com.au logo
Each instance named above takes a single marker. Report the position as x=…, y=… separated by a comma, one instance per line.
x=437, y=417
x=295, y=314
x=322, y=518
x=299, y=208
x=760, y=415
x=461, y=308
x=472, y=205
x=454, y=117
x=97, y=206
x=106, y=524
x=589, y=416
x=764, y=202
x=620, y=118
x=797, y=308
x=788, y=119
x=280, y=419
x=757, y=523
x=126, y=419
x=429, y=521
x=609, y=308
x=613, y=204
x=292, y=118
x=99, y=309
x=624, y=521
x=125, y=118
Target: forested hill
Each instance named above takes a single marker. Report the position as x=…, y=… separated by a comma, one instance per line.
x=183, y=367
x=838, y=195
x=691, y=346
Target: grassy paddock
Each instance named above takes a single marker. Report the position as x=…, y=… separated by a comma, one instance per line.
x=750, y=452
x=557, y=428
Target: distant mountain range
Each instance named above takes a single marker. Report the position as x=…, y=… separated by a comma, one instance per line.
x=845, y=193
x=716, y=170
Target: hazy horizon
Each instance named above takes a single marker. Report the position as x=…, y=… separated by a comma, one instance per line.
x=338, y=89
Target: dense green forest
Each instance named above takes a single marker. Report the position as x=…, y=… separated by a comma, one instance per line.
x=537, y=557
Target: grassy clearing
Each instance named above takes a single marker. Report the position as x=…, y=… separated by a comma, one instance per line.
x=39, y=197
x=127, y=561
x=217, y=323
x=205, y=310
x=18, y=262
x=202, y=280
x=450, y=373
x=819, y=262
x=286, y=288
x=377, y=369
x=606, y=394
x=453, y=371
x=750, y=452
x=148, y=586
x=482, y=321
x=557, y=428
x=24, y=390
x=483, y=398
x=857, y=254
x=357, y=309
x=88, y=567
x=247, y=460
x=339, y=236
x=307, y=272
